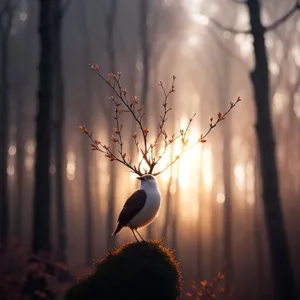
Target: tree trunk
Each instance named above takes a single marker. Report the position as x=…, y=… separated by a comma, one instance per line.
x=176, y=211
x=200, y=194
x=227, y=237
x=283, y=281
x=258, y=224
x=111, y=22
x=169, y=197
x=41, y=201
x=168, y=206
x=6, y=20
x=144, y=11
x=87, y=154
x=59, y=116
x=19, y=166
x=88, y=205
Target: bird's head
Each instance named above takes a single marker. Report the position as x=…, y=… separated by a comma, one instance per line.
x=147, y=180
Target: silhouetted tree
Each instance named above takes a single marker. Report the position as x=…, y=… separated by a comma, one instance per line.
x=282, y=270
x=6, y=14
x=86, y=154
x=284, y=286
x=175, y=215
x=145, y=48
x=169, y=197
x=111, y=53
x=60, y=9
x=41, y=201
x=21, y=82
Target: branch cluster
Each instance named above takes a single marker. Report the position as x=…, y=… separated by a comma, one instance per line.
x=270, y=27
x=147, y=149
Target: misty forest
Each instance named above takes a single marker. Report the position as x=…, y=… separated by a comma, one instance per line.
x=202, y=95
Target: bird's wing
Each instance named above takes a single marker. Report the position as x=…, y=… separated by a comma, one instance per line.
x=132, y=206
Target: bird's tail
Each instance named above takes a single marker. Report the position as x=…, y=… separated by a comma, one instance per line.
x=119, y=227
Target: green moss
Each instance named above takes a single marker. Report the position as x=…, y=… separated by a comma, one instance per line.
x=138, y=271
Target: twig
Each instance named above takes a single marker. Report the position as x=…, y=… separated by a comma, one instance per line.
x=212, y=125
x=123, y=105
x=278, y=22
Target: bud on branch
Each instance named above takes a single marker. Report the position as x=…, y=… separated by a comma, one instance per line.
x=123, y=105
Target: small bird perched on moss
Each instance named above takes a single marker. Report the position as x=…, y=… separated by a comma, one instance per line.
x=142, y=207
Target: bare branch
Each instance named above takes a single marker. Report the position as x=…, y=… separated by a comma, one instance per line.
x=285, y=17
x=229, y=29
x=212, y=125
x=277, y=23
x=239, y=1
x=229, y=51
x=123, y=105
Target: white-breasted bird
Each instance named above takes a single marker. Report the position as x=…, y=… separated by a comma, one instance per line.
x=142, y=207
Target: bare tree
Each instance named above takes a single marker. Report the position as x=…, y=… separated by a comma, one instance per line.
x=145, y=48
x=281, y=266
x=41, y=202
x=60, y=9
x=168, y=198
x=111, y=53
x=86, y=154
x=6, y=14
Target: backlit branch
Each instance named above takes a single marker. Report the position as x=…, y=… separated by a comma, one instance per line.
x=212, y=125
x=286, y=16
x=273, y=26
x=162, y=140
x=227, y=28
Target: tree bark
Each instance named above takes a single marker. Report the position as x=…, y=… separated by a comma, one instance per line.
x=145, y=49
x=176, y=211
x=283, y=281
x=144, y=12
x=169, y=197
x=59, y=117
x=86, y=153
x=6, y=21
x=19, y=166
x=227, y=237
x=41, y=210
x=111, y=21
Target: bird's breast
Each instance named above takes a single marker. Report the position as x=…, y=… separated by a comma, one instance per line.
x=149, y=212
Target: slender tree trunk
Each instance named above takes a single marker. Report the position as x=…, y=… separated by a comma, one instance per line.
x=283, y=283
x=6, y=21
x=145, y=48
x=87, y=154
x=41, y=201
x=227, y=237
x=169, y=197
x=111, y=21
x=289, y=142
x=176, y=215
x=19, y=167
x=215, y=214
x=168, y=206
x=59, y=116
x=144, y=12
x=200, y=235
x=259, y=255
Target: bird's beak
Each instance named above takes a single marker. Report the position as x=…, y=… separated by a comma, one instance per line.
x=140, y=178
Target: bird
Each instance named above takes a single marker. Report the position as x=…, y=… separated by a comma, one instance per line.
x=141, y=208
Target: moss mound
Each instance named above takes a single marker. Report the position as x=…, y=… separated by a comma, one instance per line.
x=138, y=271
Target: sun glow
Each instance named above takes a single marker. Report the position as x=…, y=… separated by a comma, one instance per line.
x=207, y=167
x=187, y=168
x=239, y=173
